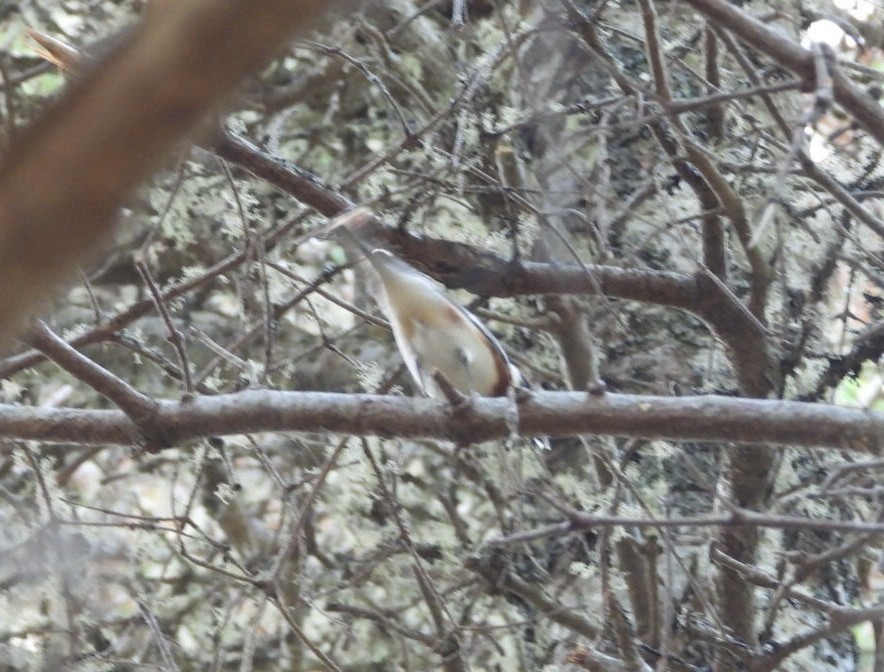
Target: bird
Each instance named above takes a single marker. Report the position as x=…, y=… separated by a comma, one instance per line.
x=55, y=51
x=432, y=332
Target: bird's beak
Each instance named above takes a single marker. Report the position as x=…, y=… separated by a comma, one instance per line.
x=55, y=51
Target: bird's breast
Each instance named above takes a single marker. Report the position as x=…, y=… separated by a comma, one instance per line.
x=462, y=353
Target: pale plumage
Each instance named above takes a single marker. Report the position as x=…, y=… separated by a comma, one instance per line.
x=434, y=333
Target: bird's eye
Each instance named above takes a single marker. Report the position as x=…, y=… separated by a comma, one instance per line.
x=464, y=356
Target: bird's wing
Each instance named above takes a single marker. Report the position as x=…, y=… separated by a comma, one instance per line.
x=402, y=333
x=505, y=370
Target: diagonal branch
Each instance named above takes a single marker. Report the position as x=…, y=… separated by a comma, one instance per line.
x=794, y=57
x=62, y=182
x=138, y=407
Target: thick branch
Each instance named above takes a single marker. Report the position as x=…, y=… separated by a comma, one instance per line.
x=60, y=185
x=555, y=414
x=462, y=266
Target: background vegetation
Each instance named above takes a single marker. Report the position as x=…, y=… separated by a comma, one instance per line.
x=211, y=455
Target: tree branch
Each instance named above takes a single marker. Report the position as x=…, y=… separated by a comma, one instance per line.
x=794, y=57
x=61, y=184
x=137, y=406
x=555, y=414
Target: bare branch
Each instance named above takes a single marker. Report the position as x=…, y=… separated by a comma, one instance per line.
x=556, y=414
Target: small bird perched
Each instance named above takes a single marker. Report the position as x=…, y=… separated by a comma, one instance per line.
x=431, y=331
